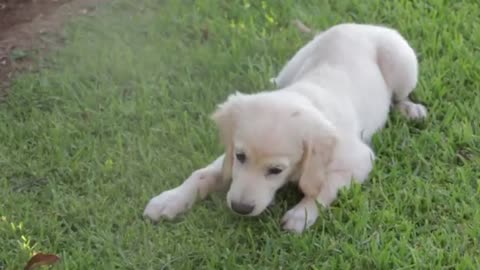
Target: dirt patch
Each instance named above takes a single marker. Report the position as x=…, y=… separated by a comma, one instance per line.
x=24, y=28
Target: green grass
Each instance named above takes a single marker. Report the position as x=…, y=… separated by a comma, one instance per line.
x=122, y=113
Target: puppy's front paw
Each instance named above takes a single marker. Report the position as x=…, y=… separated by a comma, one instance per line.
x=168, y=205
x=299, y=218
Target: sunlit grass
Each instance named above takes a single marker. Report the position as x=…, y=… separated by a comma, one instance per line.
x=122, y=113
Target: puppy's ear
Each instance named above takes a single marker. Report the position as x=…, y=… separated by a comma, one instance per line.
x=319, y=144
x=225, y=119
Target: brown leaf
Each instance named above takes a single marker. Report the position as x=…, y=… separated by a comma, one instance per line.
x=205, y=34
x=40, y=259
x=302, y=27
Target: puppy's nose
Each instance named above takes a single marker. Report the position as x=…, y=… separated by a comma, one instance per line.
x=241, y=208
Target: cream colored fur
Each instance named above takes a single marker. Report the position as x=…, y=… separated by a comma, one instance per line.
x=314, y=130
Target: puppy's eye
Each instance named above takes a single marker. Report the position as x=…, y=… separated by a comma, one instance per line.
x=274, y=170
x=241, y=157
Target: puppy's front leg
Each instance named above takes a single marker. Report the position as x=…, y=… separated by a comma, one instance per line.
x=173, y=202
x=305, y=213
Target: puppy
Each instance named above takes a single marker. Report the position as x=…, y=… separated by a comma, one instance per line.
x=332, y=96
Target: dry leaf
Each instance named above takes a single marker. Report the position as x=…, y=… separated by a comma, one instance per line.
x=40, y=259
x=205, y=34
x=302, y=27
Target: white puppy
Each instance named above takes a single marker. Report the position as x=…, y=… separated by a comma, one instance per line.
x=334, y=94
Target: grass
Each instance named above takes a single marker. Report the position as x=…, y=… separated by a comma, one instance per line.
x=122, y=113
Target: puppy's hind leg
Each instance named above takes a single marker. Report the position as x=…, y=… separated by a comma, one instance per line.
x=399, y=67
x=173, y=202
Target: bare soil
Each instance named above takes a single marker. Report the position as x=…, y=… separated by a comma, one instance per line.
x=31, y=27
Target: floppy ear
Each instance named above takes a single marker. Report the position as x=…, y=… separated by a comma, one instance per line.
x=319, y=144
x=224, y=117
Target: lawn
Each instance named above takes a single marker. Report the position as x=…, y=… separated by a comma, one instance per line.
x=121, y=113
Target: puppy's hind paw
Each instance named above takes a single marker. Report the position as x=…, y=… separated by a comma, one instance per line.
x=412, y=110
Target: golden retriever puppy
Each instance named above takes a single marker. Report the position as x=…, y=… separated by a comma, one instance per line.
x=332, y=96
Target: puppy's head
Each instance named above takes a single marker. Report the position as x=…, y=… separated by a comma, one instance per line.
x=269, y=138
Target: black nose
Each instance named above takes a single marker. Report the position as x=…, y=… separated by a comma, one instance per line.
x=241, y=208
